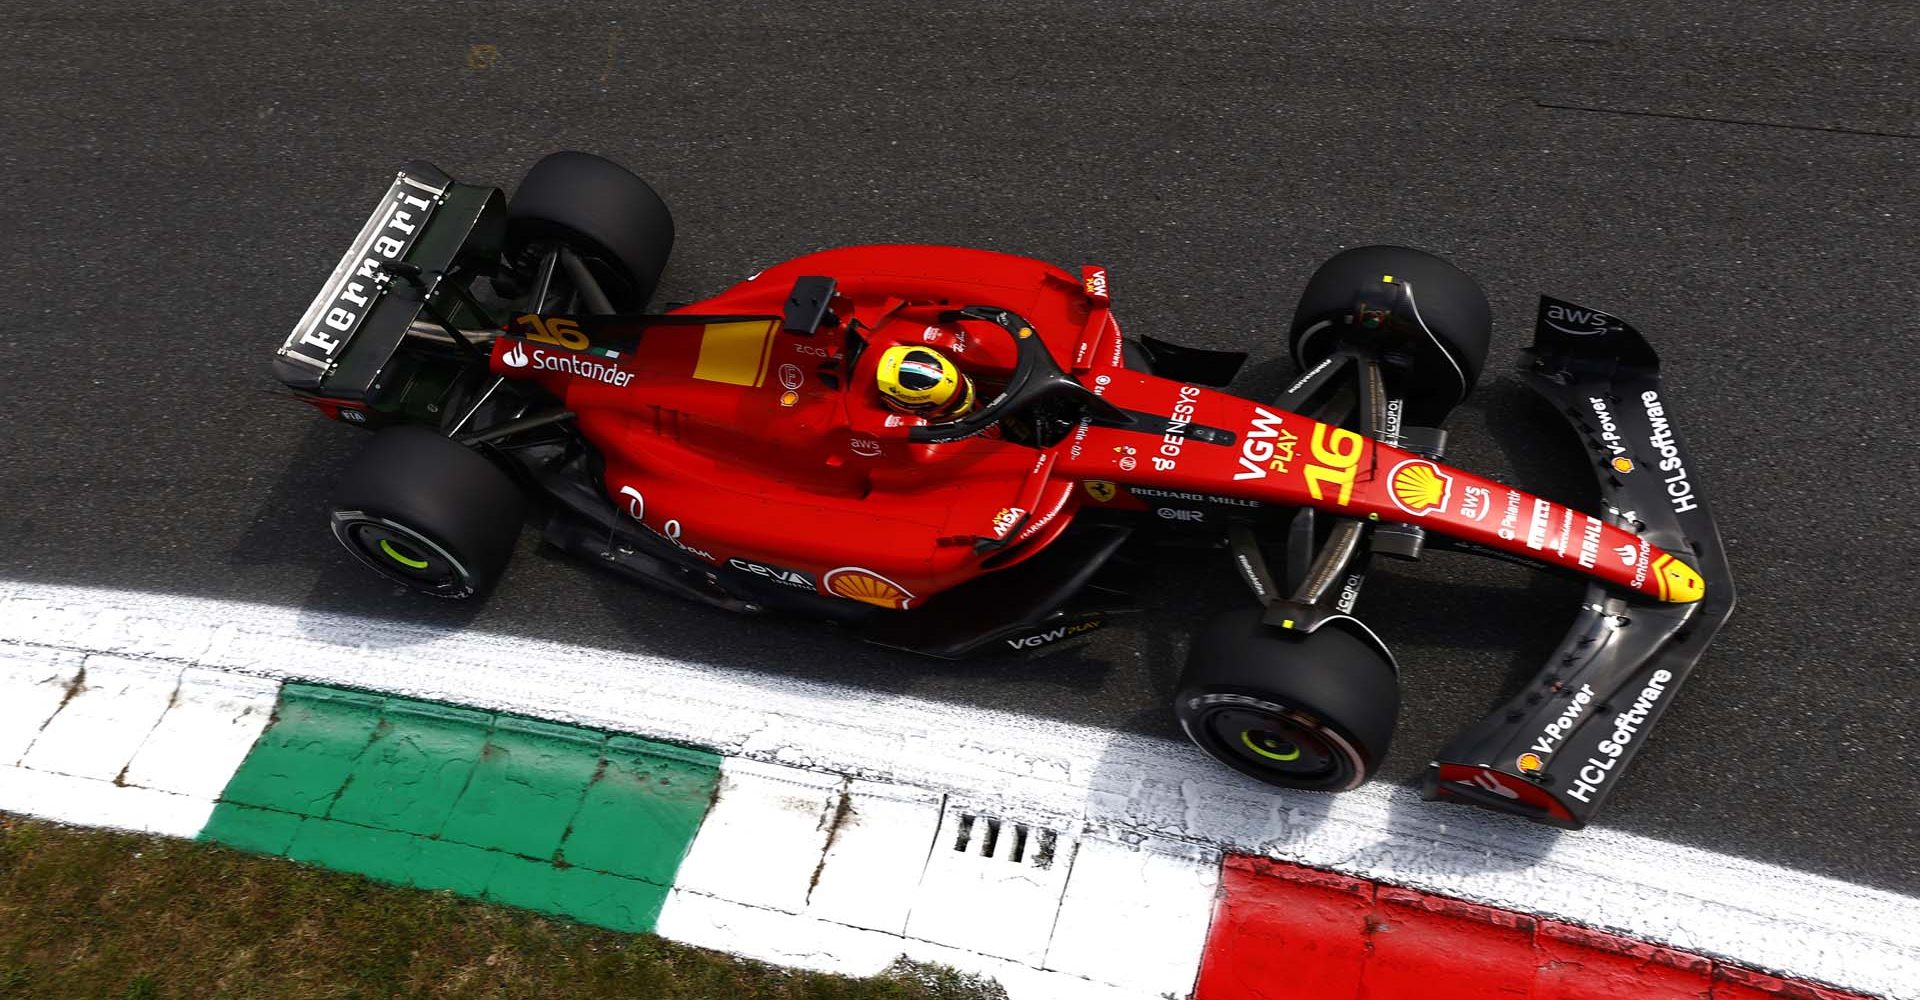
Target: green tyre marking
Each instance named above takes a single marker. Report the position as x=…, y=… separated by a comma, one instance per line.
x=1246, y=737
x=394, y=554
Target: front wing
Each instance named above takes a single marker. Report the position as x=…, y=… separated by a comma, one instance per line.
x=1557, y=750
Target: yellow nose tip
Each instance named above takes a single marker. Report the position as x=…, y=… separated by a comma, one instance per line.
x=1678, y=582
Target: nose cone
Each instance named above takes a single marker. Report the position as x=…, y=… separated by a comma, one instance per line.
x=1678, y=582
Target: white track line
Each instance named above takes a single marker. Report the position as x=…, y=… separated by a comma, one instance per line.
x=136, y=743
x=1754, y=914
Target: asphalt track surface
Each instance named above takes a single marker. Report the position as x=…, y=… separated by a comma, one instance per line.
x=1738, y=181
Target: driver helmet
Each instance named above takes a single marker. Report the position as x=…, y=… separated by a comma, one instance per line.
x=921, y=381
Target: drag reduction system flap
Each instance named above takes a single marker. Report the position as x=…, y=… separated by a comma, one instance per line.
x=349, y=333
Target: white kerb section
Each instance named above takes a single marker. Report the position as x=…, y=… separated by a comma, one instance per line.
x=128, y=742
x=1019, y=769
x=847, y=876
x=993, y=885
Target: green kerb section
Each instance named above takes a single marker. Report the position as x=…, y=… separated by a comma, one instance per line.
x=560, y=819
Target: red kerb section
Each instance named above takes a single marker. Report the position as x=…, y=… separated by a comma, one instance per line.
x=1282, y=932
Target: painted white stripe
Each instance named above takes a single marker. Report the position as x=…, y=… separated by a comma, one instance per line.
x=1759, y=915
x=802, y=868
x=824, y=946
x=118, y=701
x=33, y=682
x=974, y=896
x=87, y=802
x=762, y=841
x=137, y=743
x=875, y=856
x=1136, y=914
x=209, y=729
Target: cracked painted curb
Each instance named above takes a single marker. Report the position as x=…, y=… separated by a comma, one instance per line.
x=829, y=833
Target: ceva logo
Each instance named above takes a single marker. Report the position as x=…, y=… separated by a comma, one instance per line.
x=516, y=357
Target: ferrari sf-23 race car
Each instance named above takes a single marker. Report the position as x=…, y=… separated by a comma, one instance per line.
x=739, y=452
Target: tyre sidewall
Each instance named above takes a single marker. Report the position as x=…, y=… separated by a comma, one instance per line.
x=1332, y=678
x=439, y=492
x=1451, y=304
x=600, y=210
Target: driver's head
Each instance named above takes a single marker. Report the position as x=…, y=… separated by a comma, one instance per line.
x=921, y=381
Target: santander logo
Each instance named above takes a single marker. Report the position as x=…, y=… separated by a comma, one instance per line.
x=516, y=357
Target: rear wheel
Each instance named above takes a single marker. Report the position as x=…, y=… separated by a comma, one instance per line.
x=1440, y=370
x=428, y=513
x=601, y=211
x=1309, y=711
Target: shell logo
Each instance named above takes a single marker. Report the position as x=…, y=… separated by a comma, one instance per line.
x=1419, y=487
x=867, y=587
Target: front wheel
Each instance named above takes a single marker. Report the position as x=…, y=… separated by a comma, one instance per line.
x=1439, y=370
x=1313, y=711
x=428, y=513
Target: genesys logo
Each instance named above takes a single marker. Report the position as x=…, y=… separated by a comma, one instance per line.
x=1176, y=434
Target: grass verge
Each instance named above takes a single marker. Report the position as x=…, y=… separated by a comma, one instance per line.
x=101, y=914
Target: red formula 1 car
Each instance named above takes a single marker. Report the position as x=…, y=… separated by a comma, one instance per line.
x=737, y=451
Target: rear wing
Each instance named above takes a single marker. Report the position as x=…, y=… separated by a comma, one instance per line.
x=349, y=334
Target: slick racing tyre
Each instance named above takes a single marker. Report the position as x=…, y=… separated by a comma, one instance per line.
x=1298, y=711
x=428, y=513
x=612, y=219
x=1450, y=305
